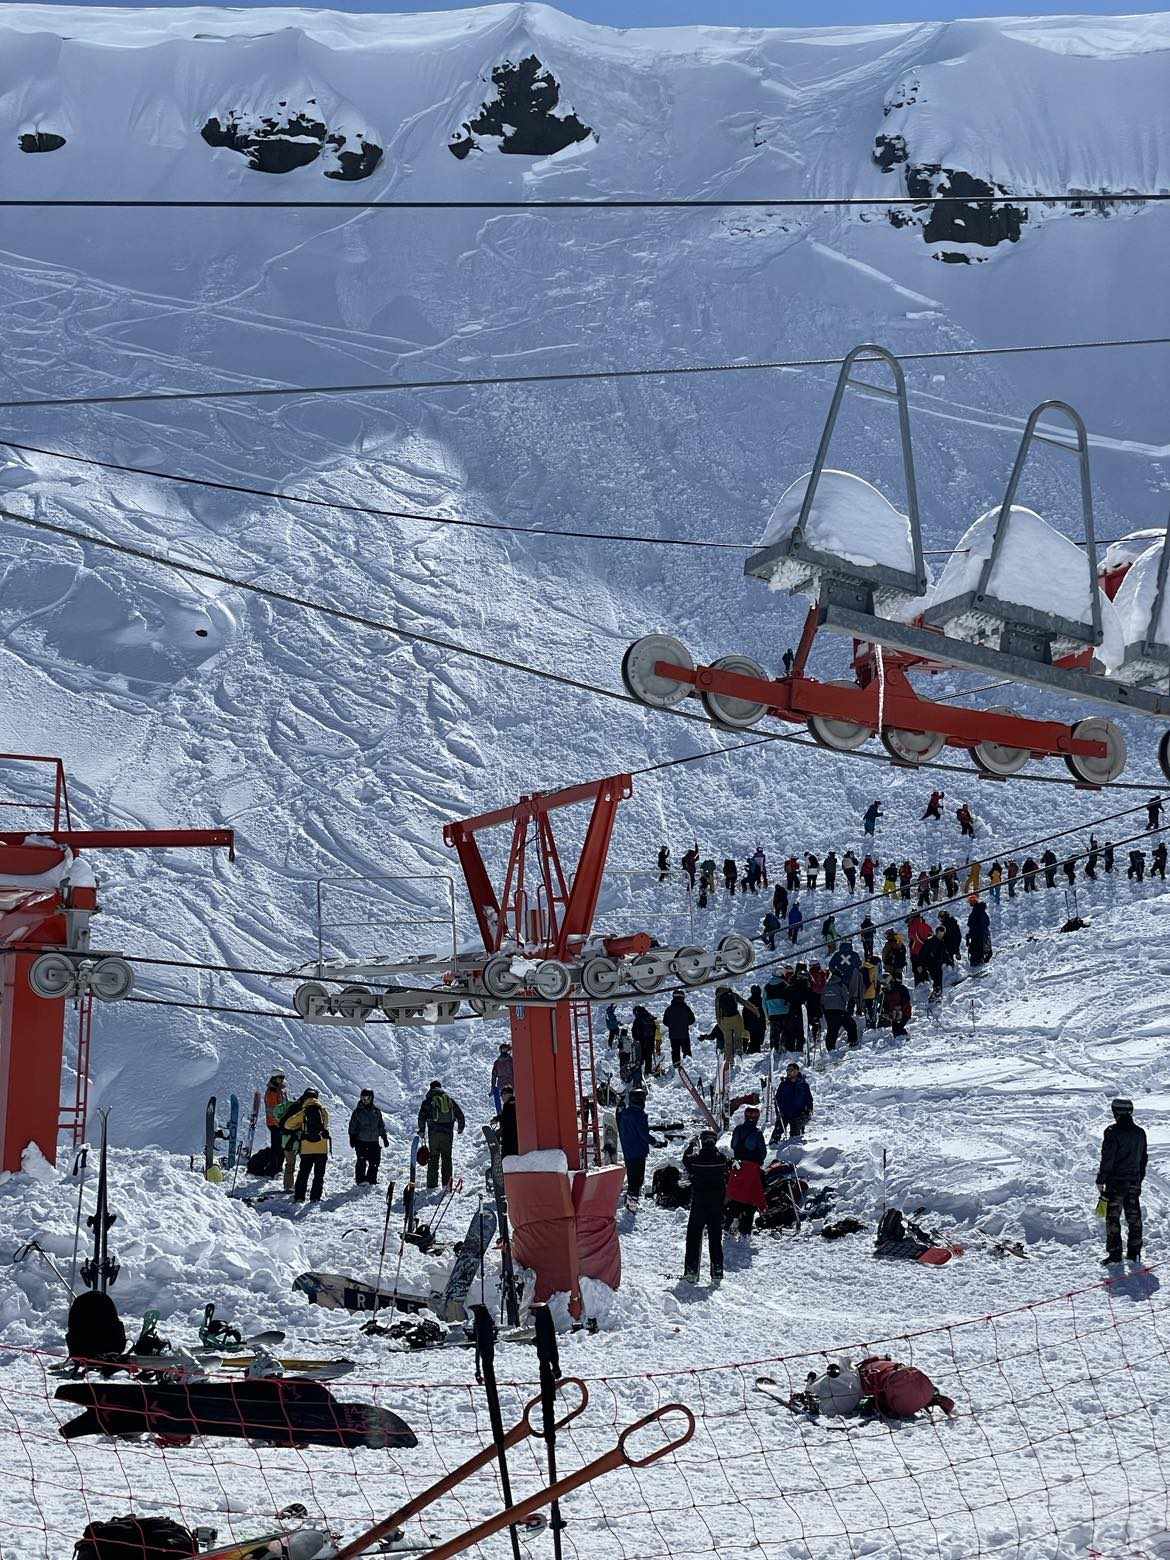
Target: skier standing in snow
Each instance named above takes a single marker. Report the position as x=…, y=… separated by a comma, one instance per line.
x=439, y=1117
x=678, y=1020
x=966, y=821
x=1154, y=813
x=367, y=1138
x=690, y=865
x=509, y=1141
x=1049, y=862
x=310, y=1123
x=504, y=1073
x=730, y=874
x=642, y=1032
x=795, y=921
x=706, y=1169
x=1158, y=861
x=634, y=1131
x=872, y=813
x=849, y=868
x=831, y=871
x=934, y=806
x=1119, y=1180
x=663, y=863
x=1136, y=871
x=978, y=935
x=275, y=1095
x=794, y=1103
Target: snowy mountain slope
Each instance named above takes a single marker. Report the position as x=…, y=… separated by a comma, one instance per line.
x=332, y=750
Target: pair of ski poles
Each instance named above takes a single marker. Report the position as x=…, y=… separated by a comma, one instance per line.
x=504, y=1441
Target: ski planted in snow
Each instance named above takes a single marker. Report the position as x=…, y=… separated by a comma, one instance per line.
x=100, y=1271
x=233, y=1130
x=480, y=1234
x=495, y=1180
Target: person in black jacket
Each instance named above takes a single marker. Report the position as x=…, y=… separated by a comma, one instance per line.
x=509, y=1140
x=1119, y=1180
x=642, y=1032
x=978, y=935
x=749, y=1146
x=706, y=1168
x=677, y=1021
x=367, y=1138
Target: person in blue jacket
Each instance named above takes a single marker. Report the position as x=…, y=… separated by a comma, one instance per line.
x=794, y=1103
x=634, y=1132
x=795, y=921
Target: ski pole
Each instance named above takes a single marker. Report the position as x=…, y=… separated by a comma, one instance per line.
x=618, y=1457
x=550, y=1370
x=385, y=1236
x=519, y=1432
x=485, y=1359
x=34, y=1248
x=80, y=1160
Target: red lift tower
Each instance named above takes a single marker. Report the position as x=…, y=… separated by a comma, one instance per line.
x=47, y=898
x=563, y=1218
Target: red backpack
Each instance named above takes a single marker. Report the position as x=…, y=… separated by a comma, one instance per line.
x=900, y=1391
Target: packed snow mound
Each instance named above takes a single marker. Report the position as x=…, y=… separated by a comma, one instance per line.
x=1037, y=568
x=1128, y=549
x=849, y=519
x=1134, y=605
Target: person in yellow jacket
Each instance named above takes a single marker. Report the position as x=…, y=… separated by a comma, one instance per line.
x=308, y=1124
x=974, y=874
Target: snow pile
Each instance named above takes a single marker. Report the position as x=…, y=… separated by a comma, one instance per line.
x=1128, y=549
x=1134, y=604
x=849, y=519
x=1037, y=568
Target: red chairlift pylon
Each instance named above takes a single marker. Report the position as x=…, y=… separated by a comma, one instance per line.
x=47, y=900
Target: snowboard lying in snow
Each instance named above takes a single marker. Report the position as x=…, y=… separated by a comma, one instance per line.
x=280, y=1412
x=297, y=1544
x=336, y=1292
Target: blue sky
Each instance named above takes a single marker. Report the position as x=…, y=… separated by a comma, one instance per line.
x=747, y=13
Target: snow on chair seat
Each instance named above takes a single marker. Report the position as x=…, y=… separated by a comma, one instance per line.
x=1143, y=609
x=1019, y=569
x=833, y=535
x=1017, y=578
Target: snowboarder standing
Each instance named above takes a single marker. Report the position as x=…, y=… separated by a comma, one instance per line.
x=707, y=1169
x=439, y=1117
x=309, y=1123
x=504, y=1071
x=367, y=1138
x=275, y=1095
x=634, y=1131
x=1119, y=1180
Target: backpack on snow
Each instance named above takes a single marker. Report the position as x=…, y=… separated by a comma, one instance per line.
x=667, y=1188
x=899, y=1391
x=265, y=1162
x=94, y=1329
x=312, y=1124
x=134, y=1538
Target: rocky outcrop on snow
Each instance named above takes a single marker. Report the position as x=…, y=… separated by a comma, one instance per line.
x=981, y=217
x=41, y=141
x=889, y=151
x=525, y=117
x=293, y=138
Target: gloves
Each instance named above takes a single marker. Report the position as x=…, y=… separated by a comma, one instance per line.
x=461, y=1130
x=385, y=1142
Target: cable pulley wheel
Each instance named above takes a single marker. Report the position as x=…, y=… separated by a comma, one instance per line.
x=111, y=979
x=355, y=1003
x=692, y=966
x=994, y=758
x=736, y=954
x=726, y=709
x=841, y=736
x=53, y=975
x=551, y=980
x=499, y=979
x=600, y=978
x=1098, y=771
x=310, y=1000
x=912, y=747
x=643, y=682
x=646, y=973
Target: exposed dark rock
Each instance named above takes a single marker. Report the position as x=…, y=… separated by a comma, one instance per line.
x=981, y=217
x=354, y=164
x=953, y=257
x=889, y=150
x=522, y=114
x=278, y=144
x=41, y=141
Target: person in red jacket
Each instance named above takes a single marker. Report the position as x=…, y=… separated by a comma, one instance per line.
x=897, y=1005
x=921, y=932
x=275, y=1095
